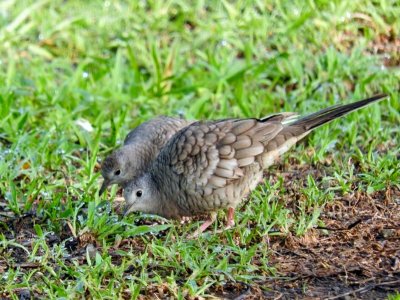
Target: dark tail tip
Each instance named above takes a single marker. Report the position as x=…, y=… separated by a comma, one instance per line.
x=331, y=113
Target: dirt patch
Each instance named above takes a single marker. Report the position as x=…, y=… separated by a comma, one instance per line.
x=356, y=254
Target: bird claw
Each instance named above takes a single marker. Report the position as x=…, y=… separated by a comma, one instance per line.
x=229, y=225
x=195, y=234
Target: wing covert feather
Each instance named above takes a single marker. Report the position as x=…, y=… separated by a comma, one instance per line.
x=205, y=156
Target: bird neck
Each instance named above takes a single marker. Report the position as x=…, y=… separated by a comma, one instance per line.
x=162, y=204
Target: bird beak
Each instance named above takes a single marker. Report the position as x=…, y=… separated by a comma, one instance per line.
x=128, y=209
x=104, y=186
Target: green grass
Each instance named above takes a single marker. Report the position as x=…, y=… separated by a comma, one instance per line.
x=119, y=63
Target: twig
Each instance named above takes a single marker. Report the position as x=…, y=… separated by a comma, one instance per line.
x=350, y=226
x=364, y=289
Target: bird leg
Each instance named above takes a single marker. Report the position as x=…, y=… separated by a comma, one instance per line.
x=204, y=226
x=230, y=222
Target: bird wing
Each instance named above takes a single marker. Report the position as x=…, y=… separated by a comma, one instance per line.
x=209, y=155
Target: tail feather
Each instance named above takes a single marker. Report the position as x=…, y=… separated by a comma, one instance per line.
x=326, y=115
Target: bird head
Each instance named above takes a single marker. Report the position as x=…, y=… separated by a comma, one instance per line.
x=117, y=168
x=140, y=195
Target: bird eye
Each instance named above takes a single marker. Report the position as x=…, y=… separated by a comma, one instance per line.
x=139, y=193
x=116, y=173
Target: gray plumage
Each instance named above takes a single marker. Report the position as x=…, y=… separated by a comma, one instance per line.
x=141, y=147
x=212, y=165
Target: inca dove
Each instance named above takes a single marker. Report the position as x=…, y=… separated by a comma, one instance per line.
x=213, y=165
x=141, y=147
